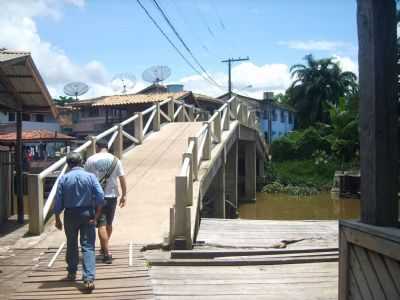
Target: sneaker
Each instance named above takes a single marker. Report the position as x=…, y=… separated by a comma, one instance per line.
x=107, y=259
x=89, y=285
x=71, y=276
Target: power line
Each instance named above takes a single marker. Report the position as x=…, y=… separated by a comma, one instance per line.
x=184, y=43
x=230, y=61
x=170, y=41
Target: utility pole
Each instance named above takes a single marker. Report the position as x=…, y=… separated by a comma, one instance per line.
x=230, y=61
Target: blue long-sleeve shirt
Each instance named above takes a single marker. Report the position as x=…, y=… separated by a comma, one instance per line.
x=78, y=188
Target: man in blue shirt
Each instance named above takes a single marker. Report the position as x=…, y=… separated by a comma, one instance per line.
x=80, y=195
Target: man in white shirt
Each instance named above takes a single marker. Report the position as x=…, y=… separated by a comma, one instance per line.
x=108, y=169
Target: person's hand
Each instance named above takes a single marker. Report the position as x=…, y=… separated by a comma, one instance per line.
x=122, y=201
x=59, y=224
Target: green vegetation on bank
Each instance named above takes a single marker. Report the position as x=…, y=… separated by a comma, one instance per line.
x=326, y=136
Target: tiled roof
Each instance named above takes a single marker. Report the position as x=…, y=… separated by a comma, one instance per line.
x=8, y=55
x=116, y=100
x=34, y=135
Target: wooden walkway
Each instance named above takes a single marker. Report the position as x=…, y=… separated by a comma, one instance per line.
x=126, y=278
x=150, y=172
x=252, y=259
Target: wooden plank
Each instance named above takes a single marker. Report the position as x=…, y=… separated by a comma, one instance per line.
x=181, y=254
x=343, y=265
x=386, y=281
x=377, y=38
x=393, y=268
x=353, y=291
x=359, y=276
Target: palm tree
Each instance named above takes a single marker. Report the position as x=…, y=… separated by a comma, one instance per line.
x=318, y=83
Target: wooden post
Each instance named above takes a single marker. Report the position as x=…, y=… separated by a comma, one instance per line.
x=195, y=156
x=245, y=115
x=156, y=120
x=191, y=113
x=180, y=227
x=234, y=108
x=19, y=154
x=207, y=143
x=139, y=128
x=189, y=198
x=171, y=110
x=217, y=128
x=119, y=143
x=378, y=111
x=227, y=118
x=181, y=115
x=36, y=201
x=92, y=148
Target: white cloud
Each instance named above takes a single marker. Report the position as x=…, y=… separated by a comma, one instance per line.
x=269, y=77
x=346, y=63
x=315, y=45
x=18, y=31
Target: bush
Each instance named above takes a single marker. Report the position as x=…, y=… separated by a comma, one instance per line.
x=299, y=145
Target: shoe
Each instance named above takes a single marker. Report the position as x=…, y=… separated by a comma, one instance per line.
x=107, y=259
x=71, y=276
x=89, y=285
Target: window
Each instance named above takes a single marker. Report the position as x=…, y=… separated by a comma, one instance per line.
x=26, y=117
x=39, y=118
x=11, y=117
x=290, y=118
x=265, y=114
x=283, y=116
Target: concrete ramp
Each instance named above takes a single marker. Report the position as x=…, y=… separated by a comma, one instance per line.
x=150, y=172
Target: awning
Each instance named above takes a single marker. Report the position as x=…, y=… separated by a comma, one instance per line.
x=21, y=85
x=34, y=136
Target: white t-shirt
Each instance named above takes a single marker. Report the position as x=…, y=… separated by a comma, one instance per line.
x=99, y=164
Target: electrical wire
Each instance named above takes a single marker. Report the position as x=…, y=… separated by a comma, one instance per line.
x=172, y=43
x=167, y=19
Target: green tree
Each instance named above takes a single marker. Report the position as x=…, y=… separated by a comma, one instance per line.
x=316, y=84
x=63, y=100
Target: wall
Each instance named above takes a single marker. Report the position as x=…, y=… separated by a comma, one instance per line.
x=5, y=185
x=279, y=128
x=28, y=125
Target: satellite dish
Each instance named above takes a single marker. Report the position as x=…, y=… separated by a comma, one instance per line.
x=123, y=81
x=76, y=89
x=156, y=74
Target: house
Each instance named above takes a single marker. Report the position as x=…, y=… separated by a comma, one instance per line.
x=282, y=117
x=91, y=116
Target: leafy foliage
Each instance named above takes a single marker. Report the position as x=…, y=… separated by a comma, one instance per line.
x=318, y=83
x=63, y=100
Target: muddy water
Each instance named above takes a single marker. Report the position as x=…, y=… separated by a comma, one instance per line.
x=285, y=207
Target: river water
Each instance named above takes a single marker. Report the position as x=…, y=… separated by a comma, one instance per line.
x=284, y=207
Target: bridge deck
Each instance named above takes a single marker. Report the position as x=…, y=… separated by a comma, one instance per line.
x=150, y=171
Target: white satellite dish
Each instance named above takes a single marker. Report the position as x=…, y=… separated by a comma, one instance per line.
x=76, y=89
x=123, y=81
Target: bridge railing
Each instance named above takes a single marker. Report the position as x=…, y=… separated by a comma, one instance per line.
x=199, y=151
x=121, y=137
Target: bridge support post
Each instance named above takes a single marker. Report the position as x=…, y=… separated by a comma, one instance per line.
x=36, y=201
x=250, y=171
x=245, y=115
x=156, y=120
x=118, y=144
x=219, y=193
x=231, y=176
x=233, y=108
x=139, y=128
x=171, y=110
x=227, y=118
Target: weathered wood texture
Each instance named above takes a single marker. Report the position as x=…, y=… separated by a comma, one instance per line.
x=116, y=281
x=229, y=277
x=239, y=233
x=378, y=111
x=369, y=262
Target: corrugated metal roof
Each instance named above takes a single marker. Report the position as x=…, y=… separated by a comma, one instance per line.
x=35, y=135
x=8, y=55
x=117, y=100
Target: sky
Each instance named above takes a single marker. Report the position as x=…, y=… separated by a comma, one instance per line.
x=94, y=40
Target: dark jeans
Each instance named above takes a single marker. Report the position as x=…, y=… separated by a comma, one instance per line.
x=76, y=221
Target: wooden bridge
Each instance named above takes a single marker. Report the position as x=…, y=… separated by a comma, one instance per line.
x=176, y=159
